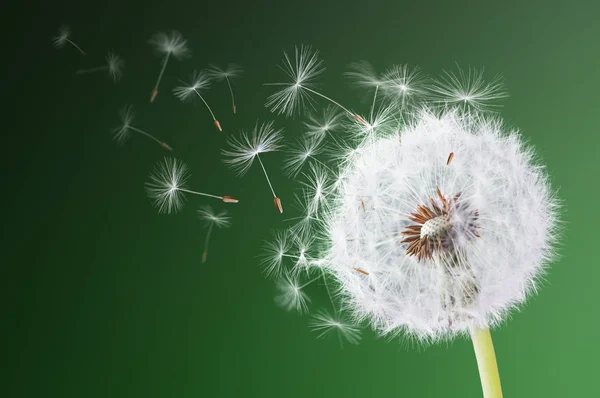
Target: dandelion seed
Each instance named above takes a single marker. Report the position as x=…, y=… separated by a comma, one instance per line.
x=326, y=324
x=114, y=66
x=296, y=95
x=123, y=132
x=167, y=45
x=212, y=219
x=290, y=295
x=319, y=127
x=199, y=81
x=300, y=152
x=404, y=86
x=468, y=90
x=233, y=71
x=64, y=32
x=363, y=75
x=243, y=150
x=167, y=186
x=275, y=251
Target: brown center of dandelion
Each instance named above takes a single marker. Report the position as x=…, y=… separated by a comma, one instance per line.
x=438, y=226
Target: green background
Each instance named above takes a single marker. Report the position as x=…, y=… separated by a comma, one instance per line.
x=103, y=297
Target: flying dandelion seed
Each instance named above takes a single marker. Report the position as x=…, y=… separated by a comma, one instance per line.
x=275, y=251
x=167, y=45
x=468, y=90
x=243, y=150
x=199, y=81
x=326, y=324
x=290, y=294
x=114, y=66
x=59, y=41
x=419, y=248
x=167, y=186
x=211, y=220
x=296, y=95
x=300, y=152
x=232, y=72
x=319, y=126
x=123, y=132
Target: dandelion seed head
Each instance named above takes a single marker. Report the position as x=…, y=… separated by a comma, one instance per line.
x=166, y=183
x=443, y=247
x=171, y=43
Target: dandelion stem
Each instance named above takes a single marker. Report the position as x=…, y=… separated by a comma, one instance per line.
x=200, y=193
x=76, y=46
x=205, y=103
x=162, y=71
x=210, y=228
x=486, y=362
x=231, y=92
x=146, y=134
x=265, y=171
x=84, y=71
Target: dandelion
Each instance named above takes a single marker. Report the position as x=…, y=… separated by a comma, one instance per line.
x=212, y=219
x=468, y=90
x=233, y=71
x=123, y=132
x=290, y=294
x=199, y=81
x=243, y=150
x=404, y=86
x=296, y=95
x=326, y=324
x=319, y=126
x=167, y=186
x=59, y=41
x=167, y=45
x=114, y=66
x=300, y=152
x=438, y=234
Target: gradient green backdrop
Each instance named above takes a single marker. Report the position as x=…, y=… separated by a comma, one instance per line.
x=103, y=297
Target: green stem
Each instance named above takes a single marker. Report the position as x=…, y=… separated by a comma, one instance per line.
x=486, y=362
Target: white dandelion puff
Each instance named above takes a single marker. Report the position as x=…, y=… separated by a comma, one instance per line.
x=325, y=324
x=211, y=220
x=199, y=81
x=114, y=66
x=123, y=132
x=63, y=37
x=167, y=186
x=232, y=71
x=245, y=148
x=468, y=90
x=167, y=45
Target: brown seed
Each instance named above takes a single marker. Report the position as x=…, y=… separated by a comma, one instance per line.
x=450, y=157
x=361, y=271
x=277, y=202
x=229, y=199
